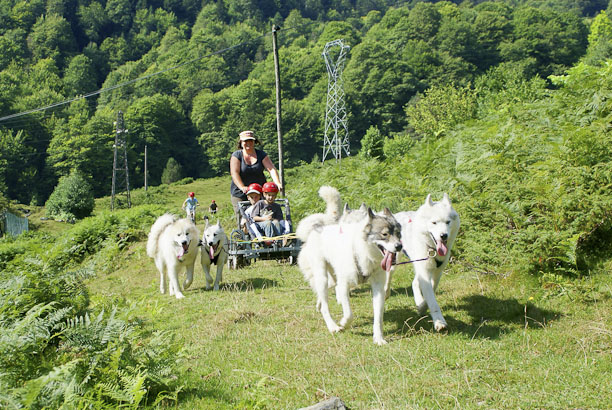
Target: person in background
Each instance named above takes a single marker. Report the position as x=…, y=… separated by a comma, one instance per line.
x=213, y=207
x=189, y=205
x=247, y=166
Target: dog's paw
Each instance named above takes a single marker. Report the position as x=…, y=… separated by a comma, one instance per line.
x=335, y=328
x=216, y=287
x=378, y=340
x=440, y=326
x=179, y=295
x=186, y=284
x=345, y=322
x=422, y=308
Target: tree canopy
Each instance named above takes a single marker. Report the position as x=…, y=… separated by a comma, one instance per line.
x=191, y=75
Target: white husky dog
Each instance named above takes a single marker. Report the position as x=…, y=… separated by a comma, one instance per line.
x=345, y=254
x=173, y=244
x=429, y=232
x=214, y=251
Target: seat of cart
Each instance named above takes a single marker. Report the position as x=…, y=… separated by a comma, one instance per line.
x=248, y=242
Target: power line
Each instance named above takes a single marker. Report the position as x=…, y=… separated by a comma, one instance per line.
x=103, y=90
x=114, y=87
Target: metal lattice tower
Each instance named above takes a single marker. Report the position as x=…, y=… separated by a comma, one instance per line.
x=120, y=163
x=336, y=127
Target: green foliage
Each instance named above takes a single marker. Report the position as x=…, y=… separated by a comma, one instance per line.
x=15, y=169
x=72, y=198
x=506, y=85
x=55, y=351
x=172, y=173
x=600, y=40
x=372, y=144
x=440, y=109
x=398, y=146
x=216, y=69
x=51, y=37
x=530, y=199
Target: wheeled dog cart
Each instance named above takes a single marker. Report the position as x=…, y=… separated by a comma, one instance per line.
x=246, y=247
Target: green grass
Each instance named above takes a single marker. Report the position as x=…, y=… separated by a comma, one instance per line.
x=514, y=342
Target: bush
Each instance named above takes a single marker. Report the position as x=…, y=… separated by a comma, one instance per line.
x=398, y=146
x=372, y=144
x=72, y=198
x=173, y=172
x=440, y=109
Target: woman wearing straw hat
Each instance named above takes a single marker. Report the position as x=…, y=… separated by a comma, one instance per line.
x=247, y=166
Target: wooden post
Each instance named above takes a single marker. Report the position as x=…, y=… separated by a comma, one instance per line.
x=146, y=169
x=279, y=131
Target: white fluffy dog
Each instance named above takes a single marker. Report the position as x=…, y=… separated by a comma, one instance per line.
x=345, y=254
x=173, y=244
x=214, y=251
x=429, y=232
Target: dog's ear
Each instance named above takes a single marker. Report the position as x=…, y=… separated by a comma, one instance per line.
x=445, y=199
x=363, y=207
x=206, y=222
x=370, y=213
x=387, y=212
x=346, y=209
x=428, y=200
x=218, y=223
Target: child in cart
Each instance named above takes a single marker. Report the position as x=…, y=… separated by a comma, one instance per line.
x=268, y=215
x=254, y=194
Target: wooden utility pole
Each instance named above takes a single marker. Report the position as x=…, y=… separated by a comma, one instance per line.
x=279, y=131
x=146, y=169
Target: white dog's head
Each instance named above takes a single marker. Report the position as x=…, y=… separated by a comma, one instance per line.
x=184, y=235
x=213, y=237
x=384, y=230
x=442, y=222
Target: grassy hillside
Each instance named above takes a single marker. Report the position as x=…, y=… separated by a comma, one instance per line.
x=516, y=339
x=527, y=296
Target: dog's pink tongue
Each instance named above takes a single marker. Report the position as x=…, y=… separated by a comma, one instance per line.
x=181, y=251
x=211, y=252
x=441, y=248
x=387, y=261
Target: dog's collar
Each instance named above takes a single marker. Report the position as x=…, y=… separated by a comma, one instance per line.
x=432, y=254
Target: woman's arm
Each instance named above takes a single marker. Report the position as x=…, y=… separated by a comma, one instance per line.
x=269, y=165
x=235, y=173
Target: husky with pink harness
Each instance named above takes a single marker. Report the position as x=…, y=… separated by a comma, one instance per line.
x=343, y=252
x=214, y=251
x=173, y=244
x=428, y=236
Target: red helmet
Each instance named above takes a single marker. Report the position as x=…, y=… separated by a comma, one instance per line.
x=254, y=188
x=191, y=194
x=213, y=201
x=270, y=187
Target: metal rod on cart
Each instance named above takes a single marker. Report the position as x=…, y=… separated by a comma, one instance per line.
x=281, y=168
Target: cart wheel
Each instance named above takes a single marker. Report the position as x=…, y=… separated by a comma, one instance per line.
x=237, y=235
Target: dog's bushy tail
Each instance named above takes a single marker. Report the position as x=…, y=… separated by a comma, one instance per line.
x=156, y=230
x=331, y=196
x=333, y=211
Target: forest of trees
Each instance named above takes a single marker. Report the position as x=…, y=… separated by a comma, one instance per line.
x=190, y=74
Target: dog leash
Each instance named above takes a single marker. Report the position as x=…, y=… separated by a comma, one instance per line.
x=432, y=254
